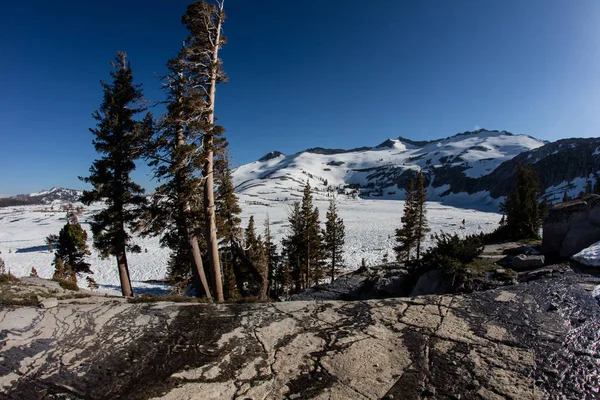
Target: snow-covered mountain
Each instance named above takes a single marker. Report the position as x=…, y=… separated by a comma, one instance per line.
x=385, y=170
x=54, y=195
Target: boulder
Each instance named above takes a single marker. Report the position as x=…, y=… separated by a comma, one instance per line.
x=377, y=282
x=432, y=282
x=572, y=226
x=524, y=262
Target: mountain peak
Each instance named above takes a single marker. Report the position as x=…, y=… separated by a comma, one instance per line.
x=271, y=155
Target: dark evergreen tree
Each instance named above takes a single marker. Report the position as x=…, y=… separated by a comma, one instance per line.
x=119, y=140
x=273, y=260
x=257, y=257
x=596, y=189
x=421, y=226
x=565, y=197
x=292, y=247
x=227, y=217
x=588, y=187
x=522, y=206
x=334, y=237
x=71, y=247
x=405, y=235
x=230, y=289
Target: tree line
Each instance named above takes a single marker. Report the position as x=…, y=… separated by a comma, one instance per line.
x=194, y=209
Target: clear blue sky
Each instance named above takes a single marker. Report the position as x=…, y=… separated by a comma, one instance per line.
x=331, y=73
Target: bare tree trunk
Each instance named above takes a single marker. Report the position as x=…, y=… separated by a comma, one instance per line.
x=332, y=263
x=209, y=195
x=200, y=266
x=124, y=275
x=192, y=240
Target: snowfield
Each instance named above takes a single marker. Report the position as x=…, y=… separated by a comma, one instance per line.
x=370, y=227
x=589, y=256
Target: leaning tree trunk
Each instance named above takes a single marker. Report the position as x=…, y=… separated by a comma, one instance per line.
x=209, y=195
x=191, y=239
x=124, y=274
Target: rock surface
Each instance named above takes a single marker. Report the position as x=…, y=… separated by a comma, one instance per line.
x=533, y=340
x=524, y=262
x=572, y=226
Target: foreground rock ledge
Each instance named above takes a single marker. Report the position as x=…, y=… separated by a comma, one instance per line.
x=529, y=341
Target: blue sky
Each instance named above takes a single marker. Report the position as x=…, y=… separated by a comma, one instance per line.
x=330, y=73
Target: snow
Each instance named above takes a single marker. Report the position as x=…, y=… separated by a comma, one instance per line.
x=24, y=229
x=370, y=227
x=589, y=256
x=596, y=152
x=573, y=188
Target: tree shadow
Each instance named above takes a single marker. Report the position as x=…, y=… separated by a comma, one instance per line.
x=32, y=249
x=157, y=289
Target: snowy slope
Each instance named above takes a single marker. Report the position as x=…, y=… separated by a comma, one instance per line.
x=380, y=171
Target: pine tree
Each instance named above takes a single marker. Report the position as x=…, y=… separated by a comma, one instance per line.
x=227, y=216
x=230, y=289
x=405, y=236
x=310, y=253
x=421, y=226
x=596, y=189
x=588, y=187
x=334, y=237
x=71, y=247
x=521, y=206
x=292, y=247
x=119, y=139
x=63, y=272
x=273, y=259
x=176, y=212
x=200, y=60
x=257, y=257
x=565, y=197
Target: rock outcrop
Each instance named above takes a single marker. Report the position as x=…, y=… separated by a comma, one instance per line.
x=572, y=226
x=529, y=341
x=376, y=282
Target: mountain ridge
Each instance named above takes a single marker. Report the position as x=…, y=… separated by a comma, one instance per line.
x=479, y=164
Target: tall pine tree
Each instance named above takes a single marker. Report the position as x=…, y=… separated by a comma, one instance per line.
x=177, y=212
x=273, y=260
x=119, y=140
x=334, y=237
x=292, y=248
x=405, y=235
x=421, y=226
x=200, y=59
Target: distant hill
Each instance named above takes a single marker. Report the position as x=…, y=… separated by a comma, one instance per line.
x=54, y=195
x=468, y=167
